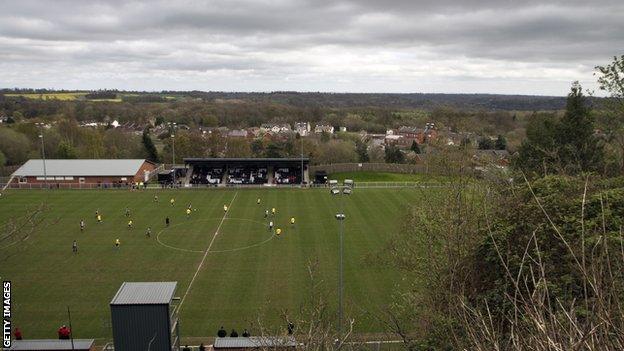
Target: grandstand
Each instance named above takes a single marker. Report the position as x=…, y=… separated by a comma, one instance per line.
x=246, y=171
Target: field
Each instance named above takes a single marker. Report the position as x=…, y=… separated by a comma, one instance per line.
x=247, y=271
x=60, y=96
x=51, y=96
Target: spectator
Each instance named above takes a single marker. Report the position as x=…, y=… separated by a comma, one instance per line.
x=291, y=328
x=186, y=348
x=246, y=334
x=18, y=334
x=222, y=333
x=202, y=347
x=234, y=334
x=64, y=332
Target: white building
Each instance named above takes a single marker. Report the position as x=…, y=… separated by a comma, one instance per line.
x=320, y=128
x=303, y=128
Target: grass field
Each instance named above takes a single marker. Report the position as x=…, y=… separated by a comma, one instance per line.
x=362, y=176
x=50, y=96
x=246, y=270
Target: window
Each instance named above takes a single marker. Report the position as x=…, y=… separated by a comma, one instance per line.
x=124, y=178
x=40, y=178
x=59, y=178
x=69, y=178
x=81, y=180
x=23, y=180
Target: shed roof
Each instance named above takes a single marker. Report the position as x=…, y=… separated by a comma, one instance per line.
x=144, y=293
x=51, y=344
x=246, y=159
x=88, y=168
x=255, y=342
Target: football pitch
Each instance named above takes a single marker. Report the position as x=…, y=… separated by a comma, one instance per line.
x=236, y=267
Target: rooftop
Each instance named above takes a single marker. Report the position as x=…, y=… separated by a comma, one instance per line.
x=247, y=159
x=51, y=344
x=255, y=342
x=144, y=293
x=83, y=167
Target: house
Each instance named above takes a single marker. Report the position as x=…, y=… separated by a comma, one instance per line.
x=323, y=128
x=302, y=128
x=238, y=133
x=409, y=132
x=497, y=157
x=276, y=128
x=83, y=171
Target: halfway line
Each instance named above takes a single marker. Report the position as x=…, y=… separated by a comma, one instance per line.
x=206, y=254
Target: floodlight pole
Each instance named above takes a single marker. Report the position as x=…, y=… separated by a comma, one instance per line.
x=45, y=173
x=340, y=279
x=302, y=173
x=173, y=152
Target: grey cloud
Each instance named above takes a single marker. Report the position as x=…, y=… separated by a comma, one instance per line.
x=314, y=38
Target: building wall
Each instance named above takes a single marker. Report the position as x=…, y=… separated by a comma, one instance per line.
x=146, y=166
x=134, y=326
x=138, y=177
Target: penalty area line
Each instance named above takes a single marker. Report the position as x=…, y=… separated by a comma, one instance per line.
x=201, y=263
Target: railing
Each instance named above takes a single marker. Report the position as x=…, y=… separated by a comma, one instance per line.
x=90, y=186
x=363, y=185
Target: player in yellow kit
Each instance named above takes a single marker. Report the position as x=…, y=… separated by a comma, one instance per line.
x=278, y=231
x=188, y=212
x=292, y=220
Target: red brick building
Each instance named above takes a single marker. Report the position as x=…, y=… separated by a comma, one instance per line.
x=84, y=171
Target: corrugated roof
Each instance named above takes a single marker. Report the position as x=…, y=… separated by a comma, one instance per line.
x=145, y=293
x=255, y=342
x=246, y=159
x=51, y=344
x=80, y=168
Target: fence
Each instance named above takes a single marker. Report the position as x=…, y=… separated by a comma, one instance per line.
x=369, y=167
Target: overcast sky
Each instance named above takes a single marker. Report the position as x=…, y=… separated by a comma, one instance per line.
x=447, y=46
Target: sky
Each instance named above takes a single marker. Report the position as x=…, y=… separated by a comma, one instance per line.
x=386, y=46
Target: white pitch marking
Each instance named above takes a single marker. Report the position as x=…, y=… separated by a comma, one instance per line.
x=206, y=253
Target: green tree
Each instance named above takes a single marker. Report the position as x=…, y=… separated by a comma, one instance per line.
x=15, y=146
x=336, y=151
x=273, y=150
x=611, y=119
x=362, y=150
x=324, y=137
x=485, y=143
x=415, y=147
x=394, y=155
x=65, y=150
x=150, y=148
x=238, y=147
x=2, y=159
x=257, y=148
x=563, y=146
x=581, y=151
x=500, y=143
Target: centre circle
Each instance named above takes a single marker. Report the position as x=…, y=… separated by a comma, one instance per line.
x=195, y=235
